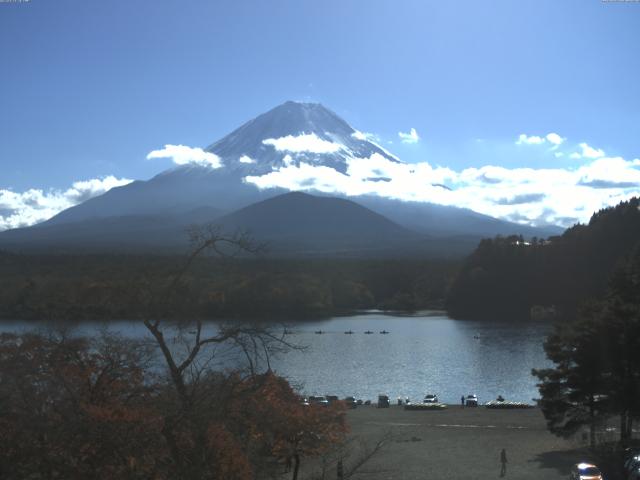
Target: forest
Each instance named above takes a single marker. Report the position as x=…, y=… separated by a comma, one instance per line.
x=512, y=277
x=99, y=287
x=504, y=278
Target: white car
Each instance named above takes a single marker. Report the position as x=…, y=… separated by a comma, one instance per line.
x=430, y=398
x=585, y=471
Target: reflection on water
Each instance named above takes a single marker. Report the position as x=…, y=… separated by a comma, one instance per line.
x=421, y=354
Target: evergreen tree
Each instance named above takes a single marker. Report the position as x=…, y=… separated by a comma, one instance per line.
x=573, y=393
x=597, y=361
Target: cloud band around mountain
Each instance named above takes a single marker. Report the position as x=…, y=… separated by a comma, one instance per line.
x=562, y=195
x=310, y=143
x=22, y=209
x=526, y=195
x=183, y=155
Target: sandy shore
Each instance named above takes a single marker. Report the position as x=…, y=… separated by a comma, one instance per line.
x=459, y=443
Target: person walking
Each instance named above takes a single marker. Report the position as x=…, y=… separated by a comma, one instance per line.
x=462, y=401
x=503, y=462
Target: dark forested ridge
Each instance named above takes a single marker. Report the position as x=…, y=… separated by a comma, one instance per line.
x=507, y=276
x=85, y=287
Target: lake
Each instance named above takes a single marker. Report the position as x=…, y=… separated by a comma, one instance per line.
x=423, y=353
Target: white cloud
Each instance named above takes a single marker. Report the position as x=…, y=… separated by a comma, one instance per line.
x=22, y=209
x=590, y=152
x=523, y=139
x=306, y=142
x=182, y=155
x=411, y=137
x=374, y=140
x=536, y=196
x=554, y=138
x=364, y=136
x=246, y=159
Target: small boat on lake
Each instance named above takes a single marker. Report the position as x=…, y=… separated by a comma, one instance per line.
x=368, y=332
x=349, y=332
x=383, y=332
x=318, y=332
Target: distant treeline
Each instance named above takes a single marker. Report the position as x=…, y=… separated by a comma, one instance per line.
x=506, y=277
x=86, y=287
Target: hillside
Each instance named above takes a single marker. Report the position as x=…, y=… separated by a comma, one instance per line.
x=298, y=222
x=505, y=277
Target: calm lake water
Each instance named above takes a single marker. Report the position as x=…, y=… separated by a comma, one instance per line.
x=423, y=353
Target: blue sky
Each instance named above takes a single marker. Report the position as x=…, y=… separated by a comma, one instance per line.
x=88, y=89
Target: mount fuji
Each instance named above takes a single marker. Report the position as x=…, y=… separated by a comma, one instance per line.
x=154, y=213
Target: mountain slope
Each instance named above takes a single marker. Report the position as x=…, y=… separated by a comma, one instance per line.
x=190, y=186
x=291, y=134
x=440, y=220
x=254, y=140
x=297, y=223
x=313, y=219
x=128, y=233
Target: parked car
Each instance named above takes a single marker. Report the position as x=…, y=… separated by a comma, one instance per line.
x=634, y=474
x=322, y=401
x=471, y=401
x=383, y=401
x=632, y=463
x=430, y=398
x=331, y=398
x=585, y=471
x=350, y=402
x=631, y=452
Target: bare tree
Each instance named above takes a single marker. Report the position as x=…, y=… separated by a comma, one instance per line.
x=189, y=349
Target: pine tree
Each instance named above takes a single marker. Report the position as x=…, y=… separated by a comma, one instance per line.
x=597, y=361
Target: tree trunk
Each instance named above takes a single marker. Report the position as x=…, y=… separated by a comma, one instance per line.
x=296, y=467
x=624, y=434
x=592, y=426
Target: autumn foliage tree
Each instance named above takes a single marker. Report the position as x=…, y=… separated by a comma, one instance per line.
x=170, y=408
x=73, y=408
x=282, y=426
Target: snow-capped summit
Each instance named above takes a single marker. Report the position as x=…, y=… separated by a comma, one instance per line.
x=291, y=133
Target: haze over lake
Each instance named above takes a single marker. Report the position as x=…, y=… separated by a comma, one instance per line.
x=423, y=353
